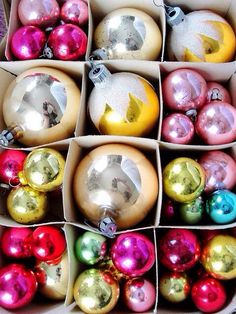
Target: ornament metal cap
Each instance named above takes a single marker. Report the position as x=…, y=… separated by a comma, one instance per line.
x=99, y=74
x=9, y=135
x=174, y=16
x=108, y=227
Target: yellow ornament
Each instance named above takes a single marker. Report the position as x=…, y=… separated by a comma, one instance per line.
x=43, y=169
x=219, y=257
x=26, y=205
x=183, y=179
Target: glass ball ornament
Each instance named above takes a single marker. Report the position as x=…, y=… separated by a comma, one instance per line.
x=122, y=103
x=200, y=36
x=217, y=92
x=75, y=12
x=192, y=212
x=128, y=33
x=40, y=106
x=96, y=291
x=168, y=210
x=110, y=187
x=183, y=179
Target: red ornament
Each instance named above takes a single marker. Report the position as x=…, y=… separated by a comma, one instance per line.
x=179, y=249
x=168, y=210
x=11, y=163
x=68, y=42
x=217, y=92
x=208, y=295
x=17, y=286
x=207, y=235
x=75, y=12
x=48, y=244
x=17, y=242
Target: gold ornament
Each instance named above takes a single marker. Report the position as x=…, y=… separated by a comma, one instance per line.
x=26, y=205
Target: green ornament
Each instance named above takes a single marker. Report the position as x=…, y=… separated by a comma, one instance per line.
x=192, y=212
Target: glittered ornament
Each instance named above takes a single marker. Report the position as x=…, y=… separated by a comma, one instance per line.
x=139, y=294
x=216, y=123
x=40, y=106
x=28, y=42
x=128, y=33
x=192, y=212
x=174, y=287
x=43, y=169
x=184, y=89
x=219, y=257
x=26, y=205
x=199, y=36
x=67, y=42
x=122, y=103
x=75, y=12
x=38, y=13
x=183, y=179
x=177, y=128
x=133, y=253
x=217, y=92
x=221, y=206
x=90, y=248
x=17, y=286
x=220, y=169
x=110, y=187
x=208, y=295
x=96, y=291
x=179, y=249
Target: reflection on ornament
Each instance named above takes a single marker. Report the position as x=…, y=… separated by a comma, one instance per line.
x=75, y=12
x=192, y=212
x=217, y=92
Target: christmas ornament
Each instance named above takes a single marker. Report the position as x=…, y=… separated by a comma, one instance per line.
x=11, y=163
x=43, y=169
x=220, y=169
x=183, y=179
x=217, y=92
x=122, y=103
x=200, y=36
x=96, y=291
x=67, y=42
x=174, y=287
x=133, y=253
x=208, y=295
x=90, y=248
x=139, y=294
x=216, y=123
x=168, y=210
x=192, y=212
x=40, y=106
x=184, y=89
x=53, y=279
x=107, y=265
x=26, y=205
x=17, y=286
x=28, y=42
x=221, y=206
x=48, y=244
x=177, y=128
x=219, y=257
x=179, y=250
x=128, y=33
x=207, y=235
x=110, y=187
x=75, y=12
x=17, y=242
x=38, y=13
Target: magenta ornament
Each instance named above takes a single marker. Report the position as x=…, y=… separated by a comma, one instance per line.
x=168, y=210
x=133, y=254
x=75, y=12
x=68, y=42
x=217, y=92
x=216, y=123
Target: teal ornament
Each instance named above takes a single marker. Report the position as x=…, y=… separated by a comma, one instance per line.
x=90, y=248
x=221, y=206
x=191, y=212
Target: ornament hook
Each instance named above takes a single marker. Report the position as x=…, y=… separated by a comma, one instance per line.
x=107, y=227
x=174, y=15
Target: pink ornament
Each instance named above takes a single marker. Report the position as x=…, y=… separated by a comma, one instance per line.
x=139, y=294
x=184, y=89
x=17, y=242
x=28, y=42
x=220, y=170
x=75, y=12
x=68, y=42
x=216, y=123
x=179, y=250
x=208, y=295
x=11, y=162
x=177, y=128
x=217, y=92
x=133, y=254
x=168, y=210
x=38, y=13
x=17, y=286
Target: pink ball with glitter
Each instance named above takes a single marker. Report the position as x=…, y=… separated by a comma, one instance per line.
x=75, y=12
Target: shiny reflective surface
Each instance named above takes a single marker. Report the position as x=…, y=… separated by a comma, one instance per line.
x=192, y=212
x=75, y=12
x=217, y=92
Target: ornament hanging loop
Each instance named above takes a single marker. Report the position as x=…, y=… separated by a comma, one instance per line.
x=98, y=73
x=174, y=15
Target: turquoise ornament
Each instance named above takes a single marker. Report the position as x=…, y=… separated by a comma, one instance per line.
x=221, y=206
x=191, y=213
